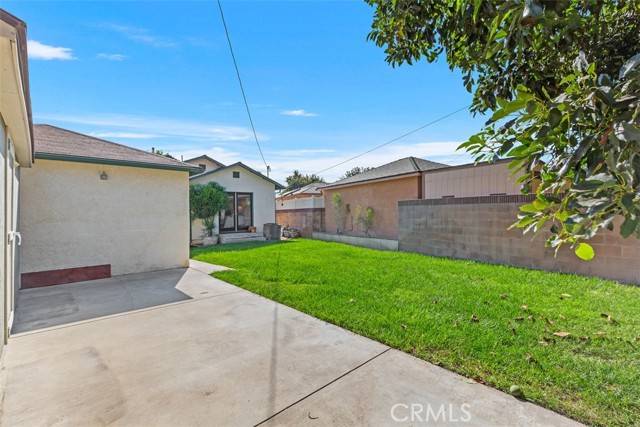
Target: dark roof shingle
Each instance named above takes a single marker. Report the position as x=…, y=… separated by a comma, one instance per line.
x=55, y=143
x=399, y=167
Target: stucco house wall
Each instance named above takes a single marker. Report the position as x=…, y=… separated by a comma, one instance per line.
x=382, y=195
x=137, y=220
x=264, y=207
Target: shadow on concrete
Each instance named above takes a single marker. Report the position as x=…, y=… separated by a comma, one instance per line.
x=58, y=305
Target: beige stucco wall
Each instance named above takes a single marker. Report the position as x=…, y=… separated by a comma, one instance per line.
x=264, y=199
x=467, y=181
x=137, y=220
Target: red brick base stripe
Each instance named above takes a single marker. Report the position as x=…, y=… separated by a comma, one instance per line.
x=65, y=275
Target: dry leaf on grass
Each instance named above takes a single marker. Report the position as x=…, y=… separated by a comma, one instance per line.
x=561, y=334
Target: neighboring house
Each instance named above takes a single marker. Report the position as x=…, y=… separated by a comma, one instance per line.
x=93, y=208
x=16, y=154
x=310, y=190
x=381, y=189
x=481, y=179
x=251, y=197
x=302, y=209
x=206, y=163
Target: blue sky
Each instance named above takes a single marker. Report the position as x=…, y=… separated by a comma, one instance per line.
x=159, y=74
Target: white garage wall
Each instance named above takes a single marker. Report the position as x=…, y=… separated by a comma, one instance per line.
x=137, y=220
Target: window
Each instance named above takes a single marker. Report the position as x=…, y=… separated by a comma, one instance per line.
x=202, y=166
x=239, y=213
x=236, y=174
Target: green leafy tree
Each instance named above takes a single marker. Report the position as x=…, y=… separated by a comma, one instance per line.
x=561, y=80
x=298, y=180
x=206, y=201
x=162, y=153
x=355, y=171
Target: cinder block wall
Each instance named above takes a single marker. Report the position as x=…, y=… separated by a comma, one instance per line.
x=305, y=220
x=477, y=228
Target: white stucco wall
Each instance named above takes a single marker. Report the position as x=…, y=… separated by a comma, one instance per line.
x=264, y=205
x=137, y=220
x=208, y=165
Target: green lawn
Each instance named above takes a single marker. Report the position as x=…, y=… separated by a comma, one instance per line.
x=498, y=325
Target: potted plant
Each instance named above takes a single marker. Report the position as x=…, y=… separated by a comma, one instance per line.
x=206, y=201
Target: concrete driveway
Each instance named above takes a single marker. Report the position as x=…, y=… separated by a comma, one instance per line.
x=180, y=348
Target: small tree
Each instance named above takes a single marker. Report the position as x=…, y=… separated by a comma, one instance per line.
x=205, y=202
x=366, y=220
x=355, y=171
x=336, y=201
x=298, y=180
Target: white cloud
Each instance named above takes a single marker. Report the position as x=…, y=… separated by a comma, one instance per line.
x=124, y=135
x=300, y=113
x=38, y=50
x=112, y=56
x=303, y=152
x=141, y=35
x=283, y=163
x=182, y=130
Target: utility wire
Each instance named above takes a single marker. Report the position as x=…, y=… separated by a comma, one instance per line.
x=395, y=139
x=244, y=97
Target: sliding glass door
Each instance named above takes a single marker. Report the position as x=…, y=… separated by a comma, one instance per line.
x=239, y=213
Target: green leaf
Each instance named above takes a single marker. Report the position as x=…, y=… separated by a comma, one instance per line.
x=632, y=63
x=555, y=117
x=629, y=226
x=585, y=251
x=529, y=209
x=499, y=114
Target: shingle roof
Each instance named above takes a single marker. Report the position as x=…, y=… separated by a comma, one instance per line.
x=204, y=156
x=55, y=143
x=405, y=166
x=313, y=188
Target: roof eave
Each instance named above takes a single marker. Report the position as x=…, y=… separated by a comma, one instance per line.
x=14, y=88
x=95, y=160
x=277, y=185
x=368, y=181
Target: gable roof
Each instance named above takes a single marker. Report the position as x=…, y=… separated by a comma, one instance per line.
x=54, y=143
x=205, y=157
x=313, y=188
x=406, y=166
x=242, y=165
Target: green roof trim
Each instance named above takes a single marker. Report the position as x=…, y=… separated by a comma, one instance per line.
x=194, y=170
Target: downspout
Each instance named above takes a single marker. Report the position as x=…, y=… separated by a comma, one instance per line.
x=5, y=236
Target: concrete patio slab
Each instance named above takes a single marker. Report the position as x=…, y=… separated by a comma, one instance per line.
x=228, y=360
x=217, y=355
x=398, y=389
x=58, y=305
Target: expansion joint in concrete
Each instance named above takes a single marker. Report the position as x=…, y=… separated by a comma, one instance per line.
x=322, y=388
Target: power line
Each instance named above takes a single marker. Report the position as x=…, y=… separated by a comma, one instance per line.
x=244, y=97
x=395, y=139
